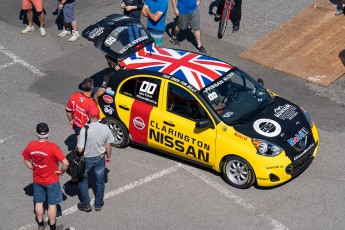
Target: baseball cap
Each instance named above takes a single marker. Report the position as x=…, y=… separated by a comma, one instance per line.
x=42, y=129
x=93, y=111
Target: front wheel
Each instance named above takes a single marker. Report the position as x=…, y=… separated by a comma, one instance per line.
x=224, y=21
x=237, y=172
x=119, y=132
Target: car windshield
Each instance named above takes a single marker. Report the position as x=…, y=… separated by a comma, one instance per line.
x=125, y=37
x=235, y=96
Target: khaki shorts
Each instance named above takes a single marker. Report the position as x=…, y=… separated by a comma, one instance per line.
x=192, y=19
x=27, y=5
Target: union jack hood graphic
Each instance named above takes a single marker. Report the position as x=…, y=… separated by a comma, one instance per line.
x=196, y=69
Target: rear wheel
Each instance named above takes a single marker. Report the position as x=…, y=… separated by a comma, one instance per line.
x=224, y=21
x=238, y=172
x=119, y=132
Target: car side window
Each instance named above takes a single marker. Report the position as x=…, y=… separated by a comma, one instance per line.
x=181, y=102
x=142, y=88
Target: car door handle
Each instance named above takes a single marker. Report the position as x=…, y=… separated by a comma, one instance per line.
x=169, y=123
x=124, y=107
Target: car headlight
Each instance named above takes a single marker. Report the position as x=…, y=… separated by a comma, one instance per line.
x=307, y=116
x=266, y=148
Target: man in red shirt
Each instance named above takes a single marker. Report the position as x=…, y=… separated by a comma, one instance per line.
x=43, y=157
x=78, y=104
x=76, y=108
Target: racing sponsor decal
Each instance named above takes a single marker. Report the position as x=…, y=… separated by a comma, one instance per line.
x=96, y=32
x=286, y=111
x=146, y=91
x=108, y=99
x=134, y=42
x=142, y=110
x=298, y=137
x=304, y=152
x=119, y=18
x=228, y=114
x=274, y=167
x=139, y=123
x=179, y=141
x=108, y=109
x=241, y=136
x=267, y=127
x=260, y=178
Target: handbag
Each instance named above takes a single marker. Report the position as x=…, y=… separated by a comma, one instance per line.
x=76, y=160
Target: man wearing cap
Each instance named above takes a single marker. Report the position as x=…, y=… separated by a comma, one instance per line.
x=43, y=157
x=77, y=106
x=97, y=152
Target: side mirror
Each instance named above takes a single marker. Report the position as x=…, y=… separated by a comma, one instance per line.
x=261, y=82
x=203, y=123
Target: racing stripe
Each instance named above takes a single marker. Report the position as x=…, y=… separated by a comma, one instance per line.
x=139, y=121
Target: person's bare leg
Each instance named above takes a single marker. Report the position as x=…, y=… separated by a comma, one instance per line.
x=30, y=15
x=74, y=25
x=197, y=37
x=41, y=19
x=52, y=210
x=39, y=210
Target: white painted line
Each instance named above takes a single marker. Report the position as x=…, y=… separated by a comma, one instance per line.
x=3, y=66
x=9, y=137
x=115, y=192
x=17, y=59
x=276, y=225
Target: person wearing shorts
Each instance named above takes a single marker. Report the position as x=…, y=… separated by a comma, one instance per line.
x=27, y=5
x=43, y=157
x=66, y=8
x=187, y=13
x=156, y=13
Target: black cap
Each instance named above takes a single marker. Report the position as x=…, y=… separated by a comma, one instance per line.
x=42, y=129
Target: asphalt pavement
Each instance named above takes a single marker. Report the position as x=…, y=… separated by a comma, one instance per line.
x=145, y=189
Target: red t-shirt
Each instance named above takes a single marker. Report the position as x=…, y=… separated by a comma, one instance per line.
x=44, y=157
x=78, y=104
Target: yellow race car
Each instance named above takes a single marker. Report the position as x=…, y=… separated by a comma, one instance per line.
x=199, y=108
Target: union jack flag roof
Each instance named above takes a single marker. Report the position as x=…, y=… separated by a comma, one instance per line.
x=196, y=69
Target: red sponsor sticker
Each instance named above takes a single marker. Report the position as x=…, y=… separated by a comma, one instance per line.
x=108, y=99
x=241, y=136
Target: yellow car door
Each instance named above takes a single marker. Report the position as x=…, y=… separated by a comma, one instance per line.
x=173, y=129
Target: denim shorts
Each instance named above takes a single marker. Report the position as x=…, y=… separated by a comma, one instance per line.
x=68, y=12
x=52, y=190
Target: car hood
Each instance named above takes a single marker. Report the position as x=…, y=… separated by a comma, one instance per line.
x=282, y=123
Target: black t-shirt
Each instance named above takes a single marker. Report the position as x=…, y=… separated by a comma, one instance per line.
x=134, y=13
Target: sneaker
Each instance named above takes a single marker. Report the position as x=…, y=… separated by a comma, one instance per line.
x=84, y=207
x=75, y=36
x=174, y=41
x=339, y=11
x=201, y=49
x=64, y=33
x=28, y=29
x=98, y=208
x=236, y=28
x=42, y=31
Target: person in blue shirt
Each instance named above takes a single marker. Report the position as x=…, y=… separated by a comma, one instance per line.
x=187, y=13
x=156, y=12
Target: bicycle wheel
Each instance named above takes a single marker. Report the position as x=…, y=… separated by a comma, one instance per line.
x=224, y=20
